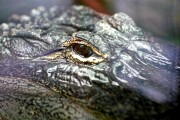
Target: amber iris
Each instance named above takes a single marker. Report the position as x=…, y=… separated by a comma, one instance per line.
x=82, y=50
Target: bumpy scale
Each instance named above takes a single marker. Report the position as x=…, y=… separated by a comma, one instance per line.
x=80, y=64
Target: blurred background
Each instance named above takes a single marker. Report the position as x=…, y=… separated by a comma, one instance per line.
x=160, y=17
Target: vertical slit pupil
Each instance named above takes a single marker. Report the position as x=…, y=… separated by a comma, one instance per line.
x=83, y=50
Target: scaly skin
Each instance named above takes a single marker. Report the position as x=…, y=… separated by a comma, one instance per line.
x=121, y=73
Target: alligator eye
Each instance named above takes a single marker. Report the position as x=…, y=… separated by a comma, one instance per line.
x=76, y=50
x=82, y=50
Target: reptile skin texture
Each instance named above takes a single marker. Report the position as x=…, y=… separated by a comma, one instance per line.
x=78, y=64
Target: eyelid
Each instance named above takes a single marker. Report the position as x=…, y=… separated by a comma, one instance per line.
x=76, y=40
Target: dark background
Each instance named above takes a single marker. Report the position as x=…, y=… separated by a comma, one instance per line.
x=161, y=17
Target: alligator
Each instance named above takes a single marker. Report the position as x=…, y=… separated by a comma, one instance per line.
x=80, y=64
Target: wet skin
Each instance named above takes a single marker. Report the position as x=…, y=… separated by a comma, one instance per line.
x=84, y=65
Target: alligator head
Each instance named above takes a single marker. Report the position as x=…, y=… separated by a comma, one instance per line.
x=100, y=61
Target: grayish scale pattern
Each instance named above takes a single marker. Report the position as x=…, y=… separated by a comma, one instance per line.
x=137, y=78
